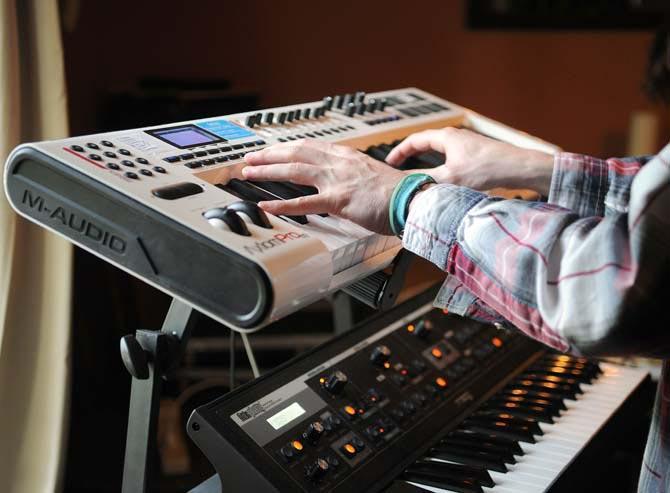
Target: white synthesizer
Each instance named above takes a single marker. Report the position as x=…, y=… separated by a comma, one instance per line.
x=168, y=204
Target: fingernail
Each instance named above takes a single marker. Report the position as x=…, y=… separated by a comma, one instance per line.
x=247, y=171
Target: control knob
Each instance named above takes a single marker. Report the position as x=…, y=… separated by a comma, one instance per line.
x=380, y=355
x=317, y=469
x=335, y=382
x=423, y=328
x=314, y=432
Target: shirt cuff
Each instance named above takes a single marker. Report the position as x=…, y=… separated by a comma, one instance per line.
x=435, y=216
x=579, y=183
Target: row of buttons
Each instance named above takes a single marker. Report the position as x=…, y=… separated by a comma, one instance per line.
x=95, y=147
x=424, y=109
x=124, y=162
x=386, y=119
x=216, y=150
x=317, y=133
x=217, y=160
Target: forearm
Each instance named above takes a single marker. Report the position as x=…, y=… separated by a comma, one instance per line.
x=591, y=186
x=570, y=282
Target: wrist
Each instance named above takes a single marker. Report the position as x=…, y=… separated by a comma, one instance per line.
x=536, y=169
x=402, y=196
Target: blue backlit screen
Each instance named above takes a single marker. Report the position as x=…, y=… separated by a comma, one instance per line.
x=185, y=136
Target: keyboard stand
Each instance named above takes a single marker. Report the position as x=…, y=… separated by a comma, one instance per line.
x=152, y=355
x=149, y=356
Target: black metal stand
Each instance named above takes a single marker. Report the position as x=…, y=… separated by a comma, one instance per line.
x=150, y=356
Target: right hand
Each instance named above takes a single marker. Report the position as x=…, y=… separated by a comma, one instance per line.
x=478, y=162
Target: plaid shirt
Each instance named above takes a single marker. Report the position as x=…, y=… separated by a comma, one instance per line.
x=586, y=272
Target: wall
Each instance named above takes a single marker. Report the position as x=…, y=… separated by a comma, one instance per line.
x=576, y=89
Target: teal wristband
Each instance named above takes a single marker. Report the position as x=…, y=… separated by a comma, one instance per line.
x=402, y=195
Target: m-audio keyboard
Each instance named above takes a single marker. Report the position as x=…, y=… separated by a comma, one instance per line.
x=414, y=401
x=168, y=203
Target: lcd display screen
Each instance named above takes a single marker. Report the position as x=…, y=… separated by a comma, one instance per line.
x=285, y=416
x=185, y=136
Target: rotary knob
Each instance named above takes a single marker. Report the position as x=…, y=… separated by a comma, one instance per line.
x=335, y=382
x=423, y=328
x=314, y=432
x=317, y=469
x=380, y=355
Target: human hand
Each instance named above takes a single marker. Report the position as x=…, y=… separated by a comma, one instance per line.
x=478, y=162
x=351, y=185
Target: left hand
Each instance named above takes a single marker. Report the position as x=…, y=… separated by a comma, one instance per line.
x=351, y=185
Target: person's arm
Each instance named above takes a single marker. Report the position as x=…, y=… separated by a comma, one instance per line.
x=587, y=185
x=593, y=187
x=596, y=285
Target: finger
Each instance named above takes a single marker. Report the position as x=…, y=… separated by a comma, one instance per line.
x=300, y=173
x=414, y=144
x=304, y=151
x=309, y=204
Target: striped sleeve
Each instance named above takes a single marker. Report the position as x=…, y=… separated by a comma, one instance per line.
x=580, y=274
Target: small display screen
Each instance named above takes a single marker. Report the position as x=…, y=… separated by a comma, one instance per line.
x=185, y=136
x=285, y=416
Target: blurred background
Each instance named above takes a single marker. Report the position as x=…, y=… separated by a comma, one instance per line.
x=570, y=72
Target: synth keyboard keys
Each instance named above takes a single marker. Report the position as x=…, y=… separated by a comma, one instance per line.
x=486, y=438
x=539, y=413
x=538, y=462
x=247, y=191
x=285, y=190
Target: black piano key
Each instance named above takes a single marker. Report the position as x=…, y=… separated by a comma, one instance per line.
x=503, y=399
x=502, y=428
x=436, y=481
x=531, y=423
x=377, y=152
x=591, y=372
x=572, y=360
x=513, y=445
x=399, y=486
x=552, y=388
x=413, y=162
x=432, y=158
x=454, y=471
x=469, y=457
x=572, y=383
x=536, y=412
x=504, y=453
x=247, y=191
x=579, y=375
x=536, y=394
x=305, y=189
x=282, y=190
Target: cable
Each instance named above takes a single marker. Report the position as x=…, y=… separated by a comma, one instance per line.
x=231, y=357
x=250, y=355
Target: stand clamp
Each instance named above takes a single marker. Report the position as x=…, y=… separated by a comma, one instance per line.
x=150, y=356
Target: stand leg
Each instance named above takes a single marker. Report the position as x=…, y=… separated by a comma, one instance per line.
x=164, y=350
